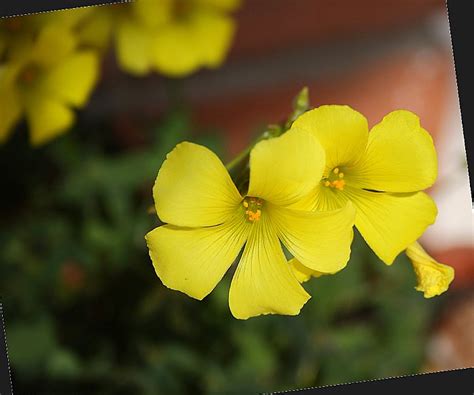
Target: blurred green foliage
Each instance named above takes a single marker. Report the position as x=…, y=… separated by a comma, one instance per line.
x=85, y=312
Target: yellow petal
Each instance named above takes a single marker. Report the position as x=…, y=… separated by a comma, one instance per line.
x=320, y=240
x=193, y=261
x=69, y=18
x=53, y=44
x=263, y=282
x=301, y=272
x=174, y=52
x=10, y=110
x=342, y=131
x=193, y=188
x=134, y=44
x=433, y=277
x=322, y=198
x=96, y=29
x=212, y=36
x=286, y=168
x=400, y=156
x=225, y=5
x=72, y=79
x=47, y=118
x=153, y=13
x=201, y=39
x=389, y=223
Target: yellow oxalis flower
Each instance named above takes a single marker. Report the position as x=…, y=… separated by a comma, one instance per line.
x=382, y=173
x=209, y=222
x=46, y=75
x=433, y=277
x=173, y=37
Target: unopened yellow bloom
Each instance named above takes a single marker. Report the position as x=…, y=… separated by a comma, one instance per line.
x=173, y=37
x=382, y=173
x=44, y=77
x=433, y=277
x=209, y=222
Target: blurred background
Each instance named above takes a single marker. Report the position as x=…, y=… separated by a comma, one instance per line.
x=84, y=310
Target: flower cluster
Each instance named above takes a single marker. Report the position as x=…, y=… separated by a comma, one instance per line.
x=306, y=190
x=45, y=72
x=49, y=63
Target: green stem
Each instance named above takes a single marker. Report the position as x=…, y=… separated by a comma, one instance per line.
x=239, y=158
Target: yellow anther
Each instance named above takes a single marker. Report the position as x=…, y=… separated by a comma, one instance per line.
x=335, y=179
x=339, y=184
x=253, y=210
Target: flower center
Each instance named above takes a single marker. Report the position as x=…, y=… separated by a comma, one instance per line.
x=253, y=208
x=181, y=8
x=28, y=74
x=335, y=179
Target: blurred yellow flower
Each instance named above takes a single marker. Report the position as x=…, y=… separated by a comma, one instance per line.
x=209, y=222
x=433, y=277
x=44, y=77
x=173, y=37
x=382, y=173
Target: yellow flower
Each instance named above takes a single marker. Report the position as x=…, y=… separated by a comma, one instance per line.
x=382, y=173
x=433, y=277
x=209, y=222
x=45, y=75
x=173, y=37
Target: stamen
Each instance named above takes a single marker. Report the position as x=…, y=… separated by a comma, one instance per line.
x=253, y=207
x=28, y=74
x=335, y=179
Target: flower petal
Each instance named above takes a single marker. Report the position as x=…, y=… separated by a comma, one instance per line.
x=400, y=156
x=342, y=131
x=263, y=282
x=286, y=168
x=193, y=188
x=213, y=33
x=193, y=261
x=433, y=277
x=66, y=18
x=224, y=5
x=388, y=222
x=320, y=240
x=133, y=44
x=322, y=198
x=72, y=80
x=174, y=52
x=152, y=13
x=301, y=272
x=96, y=30
x=47, y=118
x=53, y=44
